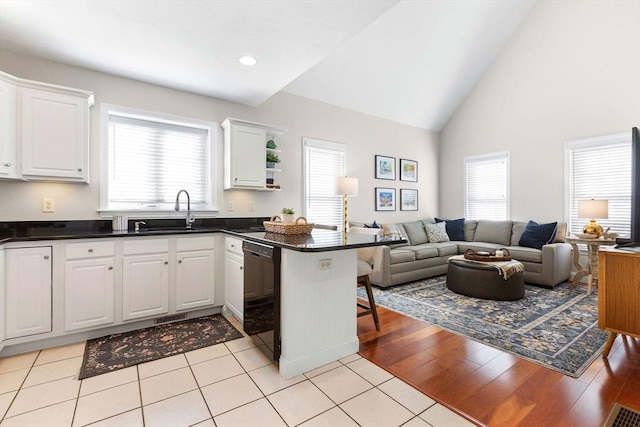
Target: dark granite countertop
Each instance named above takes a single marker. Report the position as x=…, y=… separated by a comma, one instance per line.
x=24, y=231
x=318, y=241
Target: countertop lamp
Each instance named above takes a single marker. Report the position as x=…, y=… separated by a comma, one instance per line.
x=346, y=187
x=593, y=209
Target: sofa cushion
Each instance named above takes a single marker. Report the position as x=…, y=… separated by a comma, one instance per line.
x=478, y=246
x=470, y=229
x=416, y=233
x=437, y=232
x=516, y=232
x=522, y=253
x=537, y=235
x=493, y=232
x=400, y=255
x=424, y=251
x=455, y=228
x=395, y=230
x=446, y=248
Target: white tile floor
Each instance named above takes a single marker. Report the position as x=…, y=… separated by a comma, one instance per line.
x=231, y=384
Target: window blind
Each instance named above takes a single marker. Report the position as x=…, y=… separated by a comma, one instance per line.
x=486, y=186
x=324, y=162
x=150, y=161
x=600, y=168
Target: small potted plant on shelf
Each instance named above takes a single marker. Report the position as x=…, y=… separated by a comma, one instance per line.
x=287, y=215
x=271, y=144
x=272, y=160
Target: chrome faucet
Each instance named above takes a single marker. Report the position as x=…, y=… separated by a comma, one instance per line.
x=190, y=217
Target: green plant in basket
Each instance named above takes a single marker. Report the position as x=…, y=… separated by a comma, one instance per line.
x=288, y=211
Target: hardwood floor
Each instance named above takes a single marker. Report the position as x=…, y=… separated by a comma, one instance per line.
x=495, y=388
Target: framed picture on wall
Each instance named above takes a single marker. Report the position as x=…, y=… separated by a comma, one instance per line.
x=385, y=167
x=385, y=199
x=408, y=199
x=408, y=170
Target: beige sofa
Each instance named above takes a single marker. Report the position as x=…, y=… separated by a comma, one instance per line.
x=420, y=259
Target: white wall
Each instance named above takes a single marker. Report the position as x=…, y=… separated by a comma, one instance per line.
x=572, y=70
x=365, y=135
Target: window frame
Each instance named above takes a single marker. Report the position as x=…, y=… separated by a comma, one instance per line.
x=483, y=158
x=327, y=145
x=211, y=208
x=585, y=143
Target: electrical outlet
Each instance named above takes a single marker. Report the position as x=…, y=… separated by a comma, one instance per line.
x=48, y=205
x=231, y=206
x=325, y=264
x=252, y=206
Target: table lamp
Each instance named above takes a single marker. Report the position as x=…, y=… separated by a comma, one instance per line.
x=346, y=187
x=593, y=209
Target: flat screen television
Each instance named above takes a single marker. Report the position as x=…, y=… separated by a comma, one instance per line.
x=633, y=243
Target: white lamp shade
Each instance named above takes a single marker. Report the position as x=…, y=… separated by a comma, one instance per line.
x=347, y=186
x=593, y=209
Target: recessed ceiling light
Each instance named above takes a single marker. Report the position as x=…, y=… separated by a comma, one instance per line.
x=247, y=60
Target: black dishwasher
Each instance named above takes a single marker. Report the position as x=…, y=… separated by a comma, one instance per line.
x=262, y=296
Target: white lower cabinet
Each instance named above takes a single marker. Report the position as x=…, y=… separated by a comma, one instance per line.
x=145, y=285
x=28, y=291
x=195, y=272
x=234, y=277
x=89, y=284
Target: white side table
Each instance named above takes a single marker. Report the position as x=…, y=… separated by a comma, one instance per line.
x=591, y=269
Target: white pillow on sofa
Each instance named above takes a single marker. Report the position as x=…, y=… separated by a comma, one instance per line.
x=437, y=232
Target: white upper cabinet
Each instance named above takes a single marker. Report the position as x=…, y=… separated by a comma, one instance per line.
x=8, y=125
x=245, y=151
x=45, y=134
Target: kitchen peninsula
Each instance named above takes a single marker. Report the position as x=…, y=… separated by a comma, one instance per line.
x=315, y=297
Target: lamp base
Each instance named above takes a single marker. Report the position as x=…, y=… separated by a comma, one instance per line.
x=593, y=228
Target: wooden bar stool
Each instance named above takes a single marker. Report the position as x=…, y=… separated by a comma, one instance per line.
x=364, y=270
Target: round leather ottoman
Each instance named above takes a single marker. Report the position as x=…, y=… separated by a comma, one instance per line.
x=483, y=281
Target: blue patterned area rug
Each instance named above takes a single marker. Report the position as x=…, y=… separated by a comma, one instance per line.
x=557, y=328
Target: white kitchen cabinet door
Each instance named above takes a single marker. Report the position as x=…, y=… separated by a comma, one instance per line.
x=234, y=284
x=88, y=293
x=8, y=126
x=3, y=288
x=195, y=281
x=55, y=135
x=245, y=156
x=28, y=273
x=145, y=285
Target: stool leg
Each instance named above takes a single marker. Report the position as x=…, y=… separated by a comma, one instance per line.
x=372, y=302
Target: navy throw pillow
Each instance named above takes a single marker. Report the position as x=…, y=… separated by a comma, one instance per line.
x=454, y=227
x=374, y=225
x=537, y=235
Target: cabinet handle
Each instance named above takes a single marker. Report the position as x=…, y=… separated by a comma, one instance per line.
x=79, y=169
x=8, y=164
x=90, y=250
x=166, y=262
x=110, y=267
x=46, y=257
x=233, y=246
x=180, y=262
x=241, y=268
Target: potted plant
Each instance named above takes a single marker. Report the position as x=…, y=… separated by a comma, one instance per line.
x=271, y=144
x=287, y=215
x=272, y=159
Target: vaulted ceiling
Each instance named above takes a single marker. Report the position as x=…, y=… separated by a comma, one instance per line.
x=410, y=61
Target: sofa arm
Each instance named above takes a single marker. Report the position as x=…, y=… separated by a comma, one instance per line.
x=556, y=263
x=379, y=257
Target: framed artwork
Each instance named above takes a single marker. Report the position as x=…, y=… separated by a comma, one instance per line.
x=385, y=167
x=408, y=199
x=385, y=199
x=408, y=170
